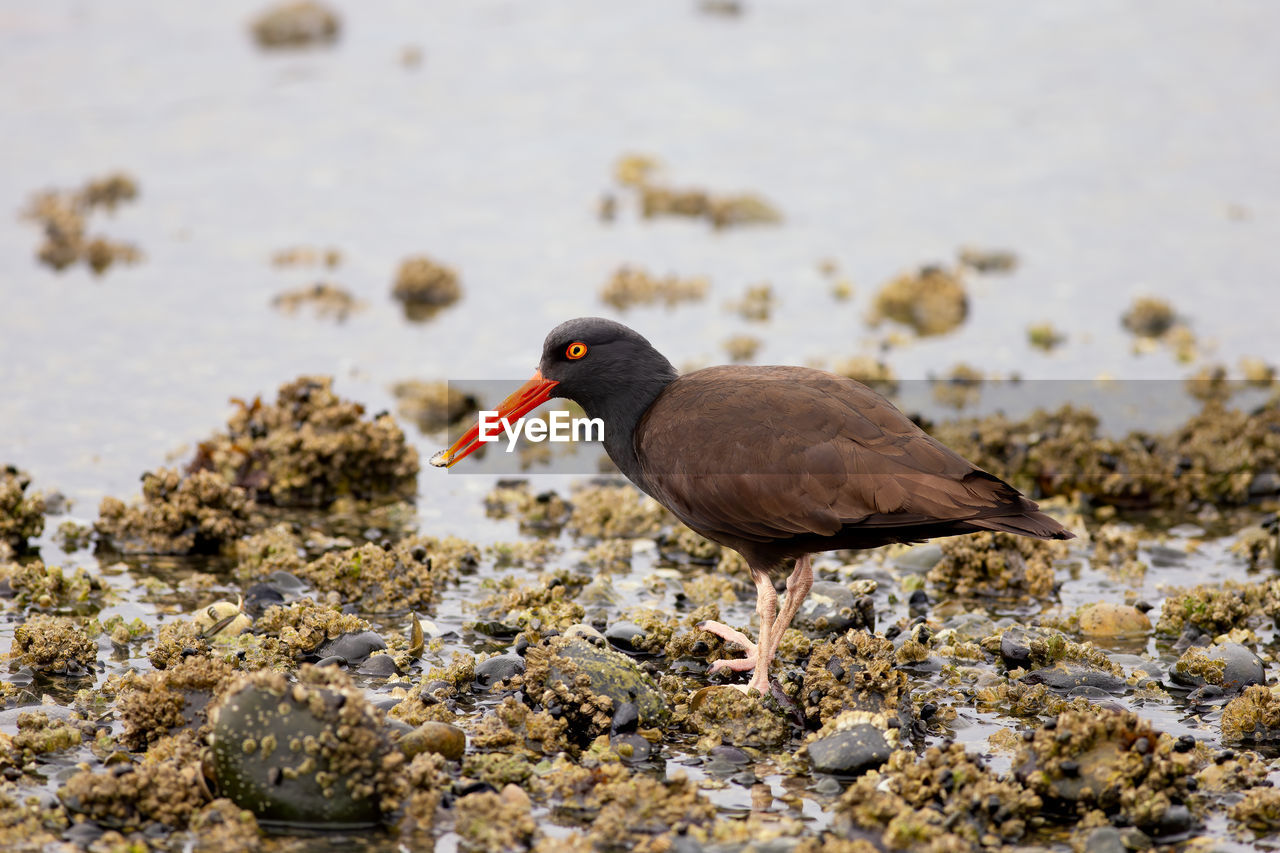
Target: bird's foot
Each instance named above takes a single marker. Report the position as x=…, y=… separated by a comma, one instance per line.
x=729, y=635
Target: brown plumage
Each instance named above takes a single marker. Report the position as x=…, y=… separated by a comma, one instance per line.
x=773, y=462
x=776, y=462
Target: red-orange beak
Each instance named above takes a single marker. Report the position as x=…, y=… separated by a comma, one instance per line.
x=526, y=398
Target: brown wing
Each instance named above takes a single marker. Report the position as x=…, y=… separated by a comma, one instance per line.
x=766, y=453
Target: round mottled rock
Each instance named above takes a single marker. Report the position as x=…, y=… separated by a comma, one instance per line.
x=492, y=670
x=311, y=752
x=851, y=752
x=1105, y=620
x=588, y=682
x=435, y=737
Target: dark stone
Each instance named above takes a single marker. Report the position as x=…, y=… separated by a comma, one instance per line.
x=1015, y=648
x=625, y=636
x=355, y=647
x=379, y=666
x=1066, y=676
x=490, y=672
x=851, y=752
x=831, y=607
x=626, y=718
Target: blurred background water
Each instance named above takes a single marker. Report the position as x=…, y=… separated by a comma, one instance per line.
x=1119, y=149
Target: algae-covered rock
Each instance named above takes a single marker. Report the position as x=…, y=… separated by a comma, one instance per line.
x=164, y=788
x=857, y=671
x=33, y=584
x=1093, y=757
x=931, y=301
x=1221, y=456
x=399, y=577
x=56, y=645
x=1230, y=666
x=312, y=752
x=585, y=684
x=152, y=705
x=198, y=514
x=723, y=714
x=423, y=287
x=433, y=406
x=21, y=513
x=616, y=511
x=630, y=286
x=1252, y=718
x=297, y=23
x=997, y=564
x=947, y=799
x=326, y=300
x=311, y=448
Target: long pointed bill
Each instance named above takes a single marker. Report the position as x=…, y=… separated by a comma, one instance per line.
x=526, y=398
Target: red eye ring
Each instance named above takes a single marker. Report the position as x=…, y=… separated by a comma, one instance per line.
x=575, y=350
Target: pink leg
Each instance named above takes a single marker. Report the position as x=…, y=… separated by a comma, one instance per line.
x=766, y=609
x=798, y=586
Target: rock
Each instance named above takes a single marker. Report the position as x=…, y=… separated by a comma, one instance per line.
x=434, y=737
x=1066, y=676
x=1015, y=648
x=833, y=608
x=310, y=752
x=1105, y=621
x=354, y=648
x=489, y=672
x=625, y=636
x=851, y=752
x=585, y=683
x=1230, y=666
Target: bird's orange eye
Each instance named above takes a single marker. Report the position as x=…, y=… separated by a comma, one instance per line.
x=576, y=350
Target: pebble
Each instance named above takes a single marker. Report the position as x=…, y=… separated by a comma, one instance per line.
x=851, y=752
x=489, y=672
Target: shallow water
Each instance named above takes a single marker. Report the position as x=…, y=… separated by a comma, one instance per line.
x=1119, y=150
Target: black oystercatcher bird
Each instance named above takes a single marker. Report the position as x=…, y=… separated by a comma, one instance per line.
x=774, y=462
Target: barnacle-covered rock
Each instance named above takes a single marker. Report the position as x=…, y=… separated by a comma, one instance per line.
x=56, y=645
x=311, y=752
x=21, y=514
x=199, y=514
x=311, y=448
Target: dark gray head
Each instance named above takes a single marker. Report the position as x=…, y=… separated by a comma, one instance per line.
x=605, y=367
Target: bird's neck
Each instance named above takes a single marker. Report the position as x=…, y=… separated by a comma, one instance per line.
x=621, y=412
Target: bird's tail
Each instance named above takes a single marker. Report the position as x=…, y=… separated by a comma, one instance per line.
x=1031, y=523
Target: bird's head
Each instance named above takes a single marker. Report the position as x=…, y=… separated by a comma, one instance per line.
x=595, y=362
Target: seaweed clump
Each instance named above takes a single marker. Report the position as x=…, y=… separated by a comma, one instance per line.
x=310, y=449
x=1219, y=456
x=931, y=301
x=432, y=405
x=997, y=564
x=1092, y=757
x=33, y=584
x=423, y=287
x=56, y=645
x=630, y=286
x=296, y=24
x=21, y=514
x=945, y=800
x=62, y=213
x=640, y=173
x=199, y=514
